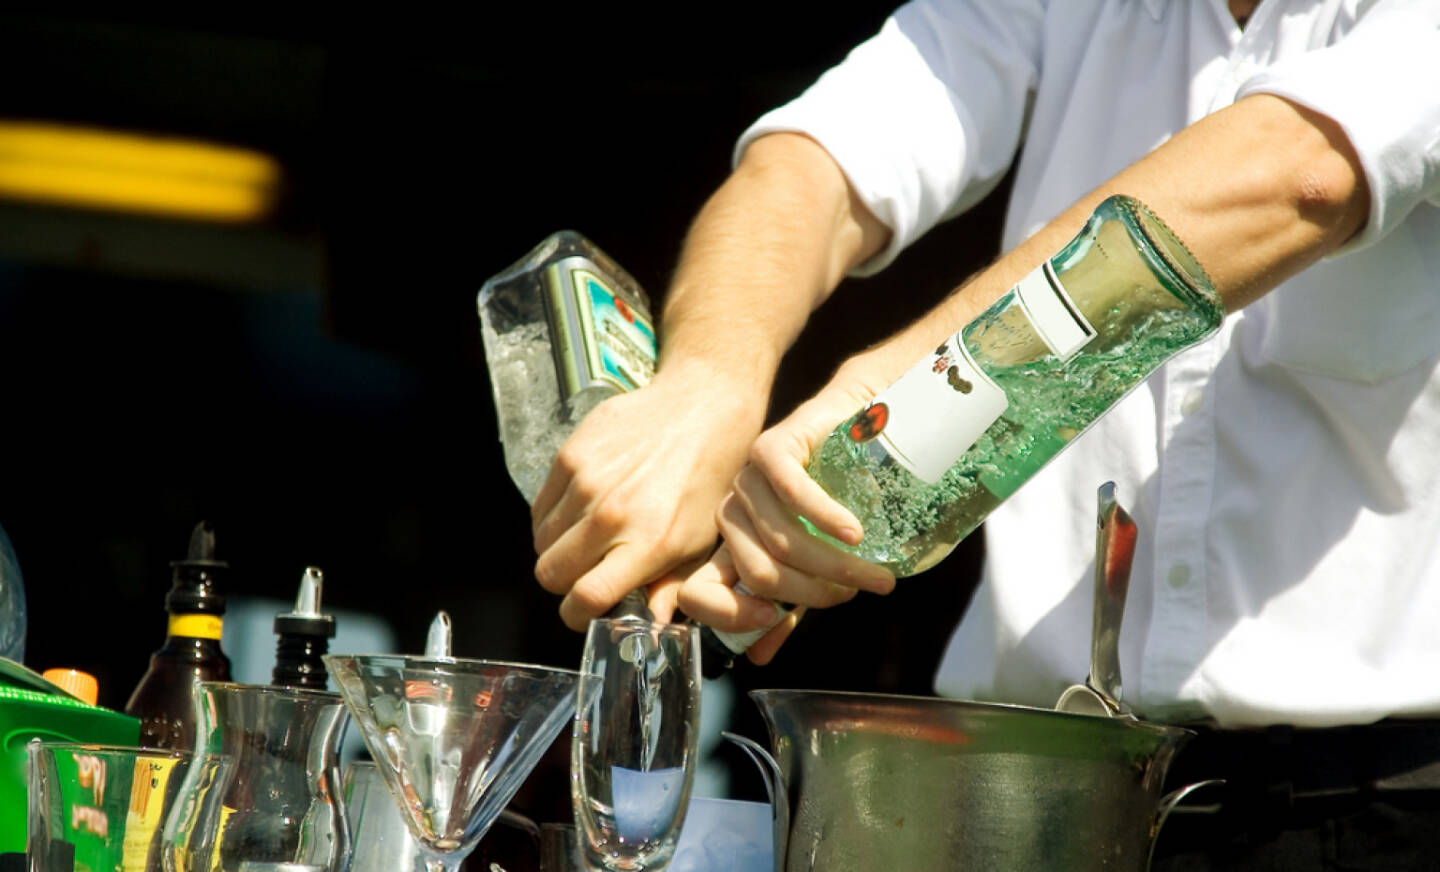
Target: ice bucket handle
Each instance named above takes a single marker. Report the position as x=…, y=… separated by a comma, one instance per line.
x=1172, y=799
x=774, y=788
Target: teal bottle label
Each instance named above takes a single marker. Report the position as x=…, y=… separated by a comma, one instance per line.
x=599, y=338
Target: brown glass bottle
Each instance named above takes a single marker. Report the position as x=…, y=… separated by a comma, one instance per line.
x=163, y=700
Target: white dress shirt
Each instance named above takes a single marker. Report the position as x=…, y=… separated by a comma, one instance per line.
x=1285, y=475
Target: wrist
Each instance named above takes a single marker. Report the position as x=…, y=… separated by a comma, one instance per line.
x=703, y=387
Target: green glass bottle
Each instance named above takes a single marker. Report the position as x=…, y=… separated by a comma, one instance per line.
x=928, y=460
x=924, y=463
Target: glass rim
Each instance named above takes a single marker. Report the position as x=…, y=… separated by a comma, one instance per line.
x=271, y=690
x=136, y=751
x=428, y=660
x=673, y=627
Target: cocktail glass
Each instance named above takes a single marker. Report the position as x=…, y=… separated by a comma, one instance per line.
x=453, y=738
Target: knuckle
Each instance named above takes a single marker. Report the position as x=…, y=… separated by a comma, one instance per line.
x=762, y=578
x=548, y=575
x=777, y=541
x=591, y=599
x=568, y=459
x=608, y=515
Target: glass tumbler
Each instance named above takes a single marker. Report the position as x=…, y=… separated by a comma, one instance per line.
x=102, y=807
x=279, y=806
x=635, y=740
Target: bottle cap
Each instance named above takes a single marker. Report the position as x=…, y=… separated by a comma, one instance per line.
x=81, y=685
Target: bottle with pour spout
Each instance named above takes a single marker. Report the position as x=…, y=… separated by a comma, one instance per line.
x=926, y=461
x=302, y=637
x=191, y=654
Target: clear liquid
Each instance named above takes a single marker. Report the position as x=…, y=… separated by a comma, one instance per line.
x=909, y=524
x=634, y=761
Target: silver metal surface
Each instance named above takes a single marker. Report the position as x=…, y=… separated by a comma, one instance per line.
x=1115, y=535
x=897, y=783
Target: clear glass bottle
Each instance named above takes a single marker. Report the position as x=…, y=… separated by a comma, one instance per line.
x=926, y=461
x=163, y=699
x=564, y=328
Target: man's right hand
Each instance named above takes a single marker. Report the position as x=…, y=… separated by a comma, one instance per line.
x=767, y=548
x=631, y=497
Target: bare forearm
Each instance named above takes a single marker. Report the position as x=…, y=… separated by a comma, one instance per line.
x=767, y=248
x=1257, y=192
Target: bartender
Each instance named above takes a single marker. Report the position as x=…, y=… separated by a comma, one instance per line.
x=1285, y=475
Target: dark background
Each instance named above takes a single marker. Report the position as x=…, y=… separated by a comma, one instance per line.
x=314, y=384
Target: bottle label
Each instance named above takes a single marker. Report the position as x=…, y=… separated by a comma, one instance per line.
x=599, y=338
x=932, y=413
x=196, y=626
x=1054, y=316
x=142, y=819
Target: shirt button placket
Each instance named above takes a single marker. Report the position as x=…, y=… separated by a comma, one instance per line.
x=1176, y=642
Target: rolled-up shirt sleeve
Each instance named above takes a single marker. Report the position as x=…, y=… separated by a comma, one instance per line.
x=924, y=117
x=1381, y=84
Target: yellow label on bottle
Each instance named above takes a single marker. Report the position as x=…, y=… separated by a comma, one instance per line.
x=196, y=626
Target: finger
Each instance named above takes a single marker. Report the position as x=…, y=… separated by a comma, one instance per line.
x=580, y=549
x=664, y=592
x=764, y=575
x=556, y=484
x=567, y=510
x=784, y=452
x=576, y=483
x=663, y=597
x=776, y=528
x=765, y=648
x=621, y=570
x=708, y=596
x=777, y=460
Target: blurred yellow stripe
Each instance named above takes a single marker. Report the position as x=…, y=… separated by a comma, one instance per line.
x=85, y=167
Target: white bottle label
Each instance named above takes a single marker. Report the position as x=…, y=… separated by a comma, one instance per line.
x=934, y=412
x=1056, y=320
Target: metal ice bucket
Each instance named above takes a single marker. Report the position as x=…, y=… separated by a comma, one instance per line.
x=879, y=782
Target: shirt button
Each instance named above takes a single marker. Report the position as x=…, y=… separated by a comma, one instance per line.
x=1190, y=404
x=1179, y=575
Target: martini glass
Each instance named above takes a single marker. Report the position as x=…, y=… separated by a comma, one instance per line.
x=453, y=738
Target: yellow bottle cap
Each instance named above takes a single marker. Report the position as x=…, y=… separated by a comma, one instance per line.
x=81, y=685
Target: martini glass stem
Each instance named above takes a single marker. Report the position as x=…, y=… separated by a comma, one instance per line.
x=429, y=862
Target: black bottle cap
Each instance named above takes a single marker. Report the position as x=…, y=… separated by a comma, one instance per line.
x=195, y=580
x=715, y=658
